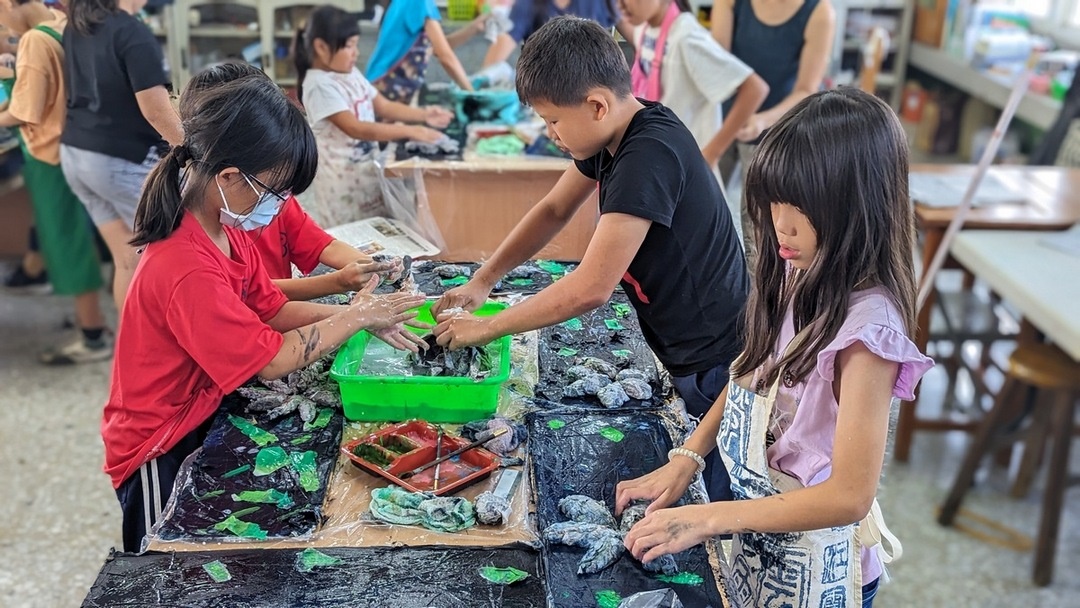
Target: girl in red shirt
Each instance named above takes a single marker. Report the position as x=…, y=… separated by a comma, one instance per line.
x=202, y=316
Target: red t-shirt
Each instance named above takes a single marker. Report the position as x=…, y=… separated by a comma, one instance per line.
x=193, y=329
x=291, y=238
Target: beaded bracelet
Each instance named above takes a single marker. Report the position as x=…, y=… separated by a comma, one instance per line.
x=692, y=455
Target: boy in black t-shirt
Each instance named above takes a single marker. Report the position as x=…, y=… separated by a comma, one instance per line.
x=664, y=230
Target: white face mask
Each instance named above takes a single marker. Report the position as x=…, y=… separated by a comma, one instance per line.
x=260, y=216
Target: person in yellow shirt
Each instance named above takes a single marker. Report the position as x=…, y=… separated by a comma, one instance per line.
x=64, y=233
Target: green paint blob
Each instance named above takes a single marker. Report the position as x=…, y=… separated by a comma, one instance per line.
x=454, y=282
x=523, y=282
x=574, y=324
x=621, y=310
x=613, y=325
x=272, y=497
x=243, y=512
x=608, y=599
x=556, y=424
x=567, y=352
x=373, y=454
x=256, y=434
x=209, y=495
x=612, y=434
x=269, y=460
x=682, y=578
x=302, y=439
x=551, y=267
x=320, y=421
x=309, y=559
x=622, y=353
x=217, y=571
x=238, y=470
x=503, y=576
x=304, y=463
x=243, y=529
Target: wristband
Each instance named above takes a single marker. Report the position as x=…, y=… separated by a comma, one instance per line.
x=692, y=455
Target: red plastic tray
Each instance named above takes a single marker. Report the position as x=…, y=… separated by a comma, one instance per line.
x=408, y=445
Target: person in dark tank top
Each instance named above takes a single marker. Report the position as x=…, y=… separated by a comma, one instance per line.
x=786, y=42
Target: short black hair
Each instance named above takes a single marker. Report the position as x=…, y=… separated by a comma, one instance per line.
x=566, y=58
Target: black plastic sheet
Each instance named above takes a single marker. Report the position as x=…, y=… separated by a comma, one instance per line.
x=528, y=278
x=610, y=333
x=582, y=452
x=226, y=468
x=270, y=578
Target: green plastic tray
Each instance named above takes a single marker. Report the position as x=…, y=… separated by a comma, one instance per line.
x=435, y=399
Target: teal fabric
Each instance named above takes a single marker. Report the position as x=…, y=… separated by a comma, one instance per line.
x=402, y=23
x=442, y=514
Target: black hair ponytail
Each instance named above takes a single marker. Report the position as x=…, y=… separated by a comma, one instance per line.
x=87, y=14
x=247, y=123
x=161, y=202
x=329, y=24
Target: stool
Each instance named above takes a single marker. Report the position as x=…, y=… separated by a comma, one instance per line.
x=1056, y=376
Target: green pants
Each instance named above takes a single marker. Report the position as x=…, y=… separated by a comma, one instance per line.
x=65, y=235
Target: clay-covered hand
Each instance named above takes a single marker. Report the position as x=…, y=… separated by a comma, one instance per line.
x=424, y=134
x=663, y=486
x=437, y=116
x=668, y=531
x=457, y=330
x=383, y=311
x=355, y=275
x=469, y=296
x=401, y=338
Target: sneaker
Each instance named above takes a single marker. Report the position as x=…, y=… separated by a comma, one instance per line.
x=79, y=351
x=23, y=282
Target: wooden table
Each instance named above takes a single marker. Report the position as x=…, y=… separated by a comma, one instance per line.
x=1053, y=203
x=477, y=202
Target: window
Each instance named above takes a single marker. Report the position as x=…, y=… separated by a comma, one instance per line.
x=1036, y=9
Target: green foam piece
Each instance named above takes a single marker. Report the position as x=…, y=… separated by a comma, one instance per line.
x=243, y=529
x=612, y=434
x=454, y=282
x=608, y=599
x=309, y=559
x=321, y=420
x=256, y=434
x=304, y=463
x=551, y=267
x=574, y=324
x=210, y=495
x=613, y=324
x=621, y=310
x=302, y=438
x=272, y=497
x=682, y=578
x=218, y=572
x=556, y=424
x=523, y=282
x=238, y=470
x=567, y=352
x=269, y=460
x=503, y=576
x=622, y=353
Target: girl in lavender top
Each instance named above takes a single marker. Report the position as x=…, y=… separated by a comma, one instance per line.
x=803, y=425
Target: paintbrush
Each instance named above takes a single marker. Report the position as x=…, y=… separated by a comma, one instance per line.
x=483, y=437
x=438, y=455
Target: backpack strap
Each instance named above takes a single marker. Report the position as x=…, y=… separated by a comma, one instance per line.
x=51, y=32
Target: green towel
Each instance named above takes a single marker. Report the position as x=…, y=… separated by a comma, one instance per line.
x=442, y=514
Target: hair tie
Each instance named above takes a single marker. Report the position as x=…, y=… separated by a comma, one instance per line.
x=182, y=154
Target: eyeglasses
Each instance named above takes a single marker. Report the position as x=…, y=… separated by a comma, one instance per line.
x=282, y=196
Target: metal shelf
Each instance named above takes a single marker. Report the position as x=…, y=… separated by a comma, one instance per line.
x=222, y=31
x=1038, y=110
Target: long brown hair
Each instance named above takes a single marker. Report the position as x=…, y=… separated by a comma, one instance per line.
x=841, y=158
x=87, y=14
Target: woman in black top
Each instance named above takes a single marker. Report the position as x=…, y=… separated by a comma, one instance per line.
x=119, y=119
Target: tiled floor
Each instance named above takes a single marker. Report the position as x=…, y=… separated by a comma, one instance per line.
x=58, y=514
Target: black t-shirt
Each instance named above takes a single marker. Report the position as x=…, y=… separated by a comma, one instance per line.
x=688, y=281
x=102, y=73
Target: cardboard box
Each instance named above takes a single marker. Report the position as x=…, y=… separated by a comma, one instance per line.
x=477, y=203
x=929, y=25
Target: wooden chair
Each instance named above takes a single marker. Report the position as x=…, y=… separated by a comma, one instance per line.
x=1056, y=377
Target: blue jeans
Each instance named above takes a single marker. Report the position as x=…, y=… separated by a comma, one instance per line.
x=869, y=591
x=699, y=392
